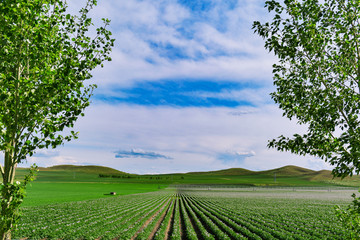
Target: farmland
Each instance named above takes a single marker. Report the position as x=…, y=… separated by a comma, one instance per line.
x=68, y=183
x=73, y=202
x=191, y=214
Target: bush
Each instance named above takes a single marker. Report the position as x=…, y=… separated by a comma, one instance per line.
x=350, y=218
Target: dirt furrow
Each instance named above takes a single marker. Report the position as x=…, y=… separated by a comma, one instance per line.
x=149, y=220
x=156, y=228
x=182, y=224
x=170, y=224
x=193, y=225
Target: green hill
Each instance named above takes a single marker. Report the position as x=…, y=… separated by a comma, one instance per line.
x=321, y=176
x=289, y=170
x=84, y=169
x=284, y=176
x=72, y=173
x=230, y=172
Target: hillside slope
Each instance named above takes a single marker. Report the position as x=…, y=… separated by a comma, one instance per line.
x=84, y=169
x=289, y=170
x=230, y=172
x=284, y=176
x=323, y=175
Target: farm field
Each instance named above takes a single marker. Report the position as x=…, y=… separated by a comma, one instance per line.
x=191, y=214
x=42, y=193
x=69, y=183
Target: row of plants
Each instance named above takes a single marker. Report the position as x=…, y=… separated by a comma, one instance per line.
x=167, y=222
x=175, y=232
x=187, y=229
x=272, y=218
x=234, y=225
x=117, y=217
x=179, y=215
x=149, y=227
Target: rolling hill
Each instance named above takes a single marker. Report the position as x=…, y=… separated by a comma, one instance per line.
x=284, y=176
x=286, y=171
x=289, y=170
x=85, y=169
x=230, y=171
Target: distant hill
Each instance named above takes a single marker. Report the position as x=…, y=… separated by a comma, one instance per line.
x=85, y=169
x=289, y=170
x=229, y=172
x=286, y=171
x=285, y=176
x=283, y=171
x=322, y=176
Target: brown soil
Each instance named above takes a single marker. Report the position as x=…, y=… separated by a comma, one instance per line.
x=193, y=225
x=171, y=221
x=148, y=221
x=156, y=228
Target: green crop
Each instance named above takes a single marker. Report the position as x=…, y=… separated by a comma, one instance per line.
x=190, y=214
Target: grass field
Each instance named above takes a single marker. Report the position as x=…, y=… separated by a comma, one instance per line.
x=77, y=183
x=42, y=193
x=74, y=184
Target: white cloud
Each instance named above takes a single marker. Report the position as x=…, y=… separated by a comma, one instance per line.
x=175, y=13
x=235, y=53
x=193, y=137
x=51, y=161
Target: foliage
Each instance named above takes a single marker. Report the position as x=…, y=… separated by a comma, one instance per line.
x=350, y=218
x=46, y=55
x=16, y=190
x=317, y=78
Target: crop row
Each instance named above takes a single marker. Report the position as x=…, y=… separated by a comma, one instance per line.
x=257, y=218
x=110, y=218
x=170, y=215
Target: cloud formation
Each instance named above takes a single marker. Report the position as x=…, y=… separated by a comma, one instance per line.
x=190, y=80
x=139, y=153
x=235, y=156
x=165, y=39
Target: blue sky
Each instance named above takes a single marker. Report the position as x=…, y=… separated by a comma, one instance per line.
x=180, y=93
x=187, y=90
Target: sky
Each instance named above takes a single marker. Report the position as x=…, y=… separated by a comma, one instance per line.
x=187, y=90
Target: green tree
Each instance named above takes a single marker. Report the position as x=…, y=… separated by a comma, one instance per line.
x=317, y=80
x=46, y=54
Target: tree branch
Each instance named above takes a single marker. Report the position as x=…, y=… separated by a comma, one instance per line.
x=358, y=53
x=2, y=170
x=340, y=109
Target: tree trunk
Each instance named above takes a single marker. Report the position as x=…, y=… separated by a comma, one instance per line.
x=6, y=235
x=5, y=231
x=8, y=178
x=9, y=168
